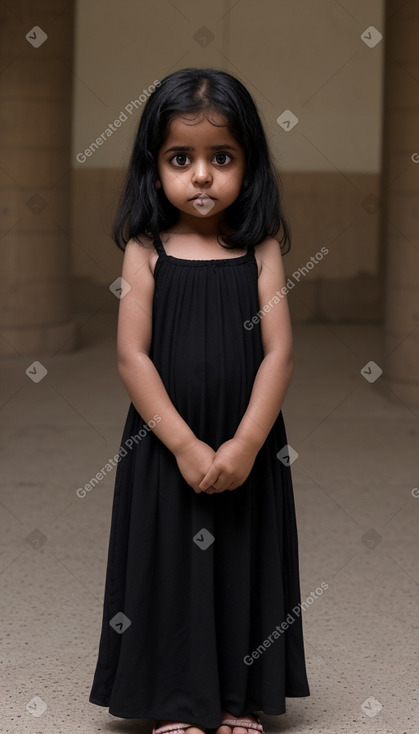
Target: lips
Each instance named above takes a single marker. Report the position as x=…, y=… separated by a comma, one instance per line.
x=203, y=203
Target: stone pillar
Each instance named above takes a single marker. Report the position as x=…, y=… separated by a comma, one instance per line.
x=36, y=56
x=400, y=199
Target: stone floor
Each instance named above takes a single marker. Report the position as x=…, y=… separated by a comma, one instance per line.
x=357, y=513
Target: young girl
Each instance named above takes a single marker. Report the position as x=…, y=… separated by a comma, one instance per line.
x=201, y=620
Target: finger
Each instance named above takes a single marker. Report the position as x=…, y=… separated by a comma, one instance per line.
x=204, y=483
x=220, y=485
x=210, y=478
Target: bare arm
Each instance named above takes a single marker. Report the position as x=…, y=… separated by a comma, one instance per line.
x=275, y=371
x=138, y=373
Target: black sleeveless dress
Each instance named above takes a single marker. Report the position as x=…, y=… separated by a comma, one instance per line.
x=198, y=585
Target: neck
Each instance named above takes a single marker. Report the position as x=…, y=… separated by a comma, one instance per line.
x=202, y=227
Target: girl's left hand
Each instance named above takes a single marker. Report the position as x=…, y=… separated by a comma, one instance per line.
x=231, y=466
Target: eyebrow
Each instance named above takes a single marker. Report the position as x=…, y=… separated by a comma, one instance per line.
x=185, y=148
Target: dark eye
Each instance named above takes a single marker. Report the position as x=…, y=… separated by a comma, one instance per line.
x=223, y=156
x=183, y=157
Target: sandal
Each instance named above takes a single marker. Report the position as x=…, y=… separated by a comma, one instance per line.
x=178, y=728
x=244, y=724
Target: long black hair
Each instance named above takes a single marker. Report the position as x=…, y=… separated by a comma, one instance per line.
x=255, y=214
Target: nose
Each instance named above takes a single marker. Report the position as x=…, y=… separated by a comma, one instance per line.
x=201, y=172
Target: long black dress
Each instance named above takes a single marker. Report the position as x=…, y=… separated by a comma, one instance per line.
x=196, y=583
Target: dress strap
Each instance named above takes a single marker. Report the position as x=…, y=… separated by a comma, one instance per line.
x=158, y=244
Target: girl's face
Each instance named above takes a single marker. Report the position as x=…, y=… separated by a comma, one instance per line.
x=200, y=158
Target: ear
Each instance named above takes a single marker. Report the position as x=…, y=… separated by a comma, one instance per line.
x=157, y=184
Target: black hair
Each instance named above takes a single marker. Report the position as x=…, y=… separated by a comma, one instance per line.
x=255, y=214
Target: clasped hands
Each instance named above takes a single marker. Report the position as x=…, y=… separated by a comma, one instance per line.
x=206, y=470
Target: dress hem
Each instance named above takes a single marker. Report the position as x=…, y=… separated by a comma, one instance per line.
x=267, y=711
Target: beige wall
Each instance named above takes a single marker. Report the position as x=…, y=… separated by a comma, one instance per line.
x=302, y=55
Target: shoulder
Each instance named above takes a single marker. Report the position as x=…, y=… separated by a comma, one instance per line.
x=268, y=255
x=137, y=253
x=269, y=247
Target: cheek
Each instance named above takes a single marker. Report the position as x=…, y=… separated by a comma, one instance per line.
x=172, y=176
x=172, y=181
x=174, y=188
x=177, y=186
x=234, y=183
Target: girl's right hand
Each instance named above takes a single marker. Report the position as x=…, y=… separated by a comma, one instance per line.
x=193, y=461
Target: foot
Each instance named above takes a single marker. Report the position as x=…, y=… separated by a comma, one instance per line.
x=229, y=729
x=188, y=730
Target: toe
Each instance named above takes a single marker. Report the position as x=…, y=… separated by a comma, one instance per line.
x=230, y=729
